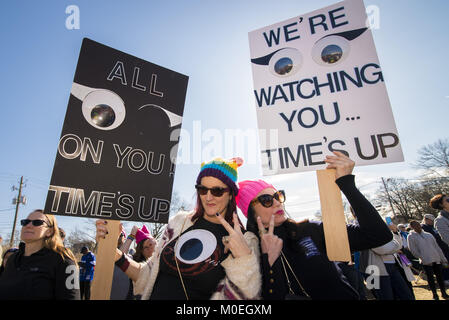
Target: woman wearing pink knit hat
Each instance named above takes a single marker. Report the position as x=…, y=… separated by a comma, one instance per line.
x=145, y=244
x=203, y=254
x=294, y=261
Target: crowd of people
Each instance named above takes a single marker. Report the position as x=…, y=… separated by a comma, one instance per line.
x=209, y=254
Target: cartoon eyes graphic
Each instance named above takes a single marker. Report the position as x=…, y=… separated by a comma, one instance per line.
x=327, y=51
x=105, y=110
x=282, y=63
x=330, y=50
x=195, y=246
x=102, y=109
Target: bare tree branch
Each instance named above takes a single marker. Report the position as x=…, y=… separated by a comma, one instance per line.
x=434, y=156
x=410, y=198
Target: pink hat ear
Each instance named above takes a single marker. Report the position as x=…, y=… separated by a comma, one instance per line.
x=139, y=236
x=142, y=235
x=144, y=229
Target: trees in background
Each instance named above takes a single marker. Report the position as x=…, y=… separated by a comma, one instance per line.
x=409, y=198
x=434, y=158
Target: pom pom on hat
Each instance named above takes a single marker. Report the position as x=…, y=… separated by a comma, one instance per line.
x=248, y=190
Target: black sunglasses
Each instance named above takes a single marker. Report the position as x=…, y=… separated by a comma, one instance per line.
x=267, y=199
x=36, y=223
x=215, y=191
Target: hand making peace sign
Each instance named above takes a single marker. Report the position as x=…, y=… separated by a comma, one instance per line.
x=270, y=243
x=235, y=240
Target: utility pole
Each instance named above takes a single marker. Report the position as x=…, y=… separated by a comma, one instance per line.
x=17, y=201
x=388, y=195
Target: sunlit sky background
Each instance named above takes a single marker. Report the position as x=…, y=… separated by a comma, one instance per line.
x=208, y=41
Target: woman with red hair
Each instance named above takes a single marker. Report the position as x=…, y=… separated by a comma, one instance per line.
x=204, y=254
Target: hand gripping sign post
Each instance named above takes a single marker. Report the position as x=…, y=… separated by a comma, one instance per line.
x=319, y=88
x=116, y=155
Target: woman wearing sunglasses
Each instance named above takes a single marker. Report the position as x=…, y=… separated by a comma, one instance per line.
x=204, y=254
x=42, y=268
x=294, y=262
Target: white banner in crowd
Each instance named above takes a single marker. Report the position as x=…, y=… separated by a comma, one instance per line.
x=319, y=84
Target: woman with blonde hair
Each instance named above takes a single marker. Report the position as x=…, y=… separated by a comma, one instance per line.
x=42, y=268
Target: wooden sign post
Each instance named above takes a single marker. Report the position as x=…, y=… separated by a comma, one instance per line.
x=332, y=211
x=104, y=268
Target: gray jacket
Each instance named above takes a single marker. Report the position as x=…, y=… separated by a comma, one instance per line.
x=424, y=246
x=442, y=225
x=374, y=256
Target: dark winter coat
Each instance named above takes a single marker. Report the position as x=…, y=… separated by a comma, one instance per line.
x=305, y=249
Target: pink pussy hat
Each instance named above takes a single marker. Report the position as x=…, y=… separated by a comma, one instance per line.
x=143, y=234
x=248, y=190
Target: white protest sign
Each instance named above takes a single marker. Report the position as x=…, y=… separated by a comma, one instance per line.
x=318, y=82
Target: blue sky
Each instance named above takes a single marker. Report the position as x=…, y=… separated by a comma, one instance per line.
x=208, y=41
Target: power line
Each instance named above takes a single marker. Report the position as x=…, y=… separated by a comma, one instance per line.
x=293, y=204
x=422, y=179
x=38, y=186
x=367, y=184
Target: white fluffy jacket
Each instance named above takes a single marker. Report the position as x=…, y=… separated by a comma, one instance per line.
x=243, y=277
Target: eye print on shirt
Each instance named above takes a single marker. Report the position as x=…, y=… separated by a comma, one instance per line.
x=197, y=252
x=327, y=51
x=195, y=246
x=105, y=110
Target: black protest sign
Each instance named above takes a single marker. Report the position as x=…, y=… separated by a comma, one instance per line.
x=115, y=158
